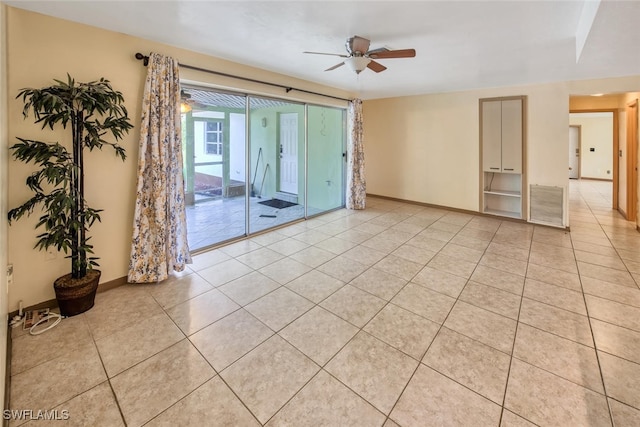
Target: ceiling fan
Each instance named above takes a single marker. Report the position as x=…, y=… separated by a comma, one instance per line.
x=360, y=57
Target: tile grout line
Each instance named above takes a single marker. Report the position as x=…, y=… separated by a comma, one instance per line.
x=613, y=246
x=115, y=396
x=515, y=337
x=438, y=332
x=595, y=345
x=373, y=336
x=217, y=373
x=559, y=336
x=187, y=337
x=360, y=329
x=293, y=346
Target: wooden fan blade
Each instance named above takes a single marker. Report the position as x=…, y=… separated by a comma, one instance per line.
x=380, y=49
x=330, y=54
x=359, y=44
x=335, y=66
x=376, y=66
x=402, y=53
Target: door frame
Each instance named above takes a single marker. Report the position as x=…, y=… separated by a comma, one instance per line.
x=579, y=127
x=632, y=160
x=616, y=147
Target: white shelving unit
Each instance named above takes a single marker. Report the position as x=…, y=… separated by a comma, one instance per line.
x=506, y=193
x=508, y=214
x=502, y=194
x=502, y=137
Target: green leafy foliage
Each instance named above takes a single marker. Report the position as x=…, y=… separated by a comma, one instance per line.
x=94, y=111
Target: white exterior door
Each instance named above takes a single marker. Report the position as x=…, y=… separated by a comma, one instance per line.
x=289, y=153
x=574, y=152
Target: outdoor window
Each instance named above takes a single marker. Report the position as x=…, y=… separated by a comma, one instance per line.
x=213, y=138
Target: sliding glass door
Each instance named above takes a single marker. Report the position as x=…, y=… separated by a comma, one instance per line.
x=277, y=159
x=327, y=155
x=213, y=142
x=254, y=163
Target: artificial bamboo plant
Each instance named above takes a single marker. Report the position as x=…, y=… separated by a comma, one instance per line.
x=94, y=111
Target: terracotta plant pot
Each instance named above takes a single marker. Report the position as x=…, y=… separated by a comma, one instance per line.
x=75, y=296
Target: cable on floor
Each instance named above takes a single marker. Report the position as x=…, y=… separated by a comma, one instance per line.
x=34, y=331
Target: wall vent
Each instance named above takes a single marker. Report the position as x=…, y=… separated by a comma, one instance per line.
x=547, y=205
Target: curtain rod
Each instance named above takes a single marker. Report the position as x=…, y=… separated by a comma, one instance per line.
x=145, y=61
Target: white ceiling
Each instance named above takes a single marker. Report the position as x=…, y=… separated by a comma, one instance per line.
x=460, y=44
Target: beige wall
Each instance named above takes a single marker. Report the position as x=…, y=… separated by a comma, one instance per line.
x=416, y=150
x=426, y=148
x=596, y=133
x=40, y=49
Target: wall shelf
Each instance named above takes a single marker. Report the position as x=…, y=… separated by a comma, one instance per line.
x=498, y=212
x=507, y=193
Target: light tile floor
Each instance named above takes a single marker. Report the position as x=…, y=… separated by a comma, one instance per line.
x=395, y=315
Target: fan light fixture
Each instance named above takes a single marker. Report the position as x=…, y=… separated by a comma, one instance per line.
x=184, y=107
x=359, y=56
x=357, y=63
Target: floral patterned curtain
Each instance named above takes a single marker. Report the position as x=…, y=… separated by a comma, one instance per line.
x=159, y=242
x=356, y=185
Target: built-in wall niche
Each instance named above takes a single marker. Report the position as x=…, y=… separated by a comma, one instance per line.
x=503, y=194
x=502, y=142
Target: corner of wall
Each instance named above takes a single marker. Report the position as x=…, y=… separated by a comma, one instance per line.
x=4, y=138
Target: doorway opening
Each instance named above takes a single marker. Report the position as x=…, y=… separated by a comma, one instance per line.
x=599, y=157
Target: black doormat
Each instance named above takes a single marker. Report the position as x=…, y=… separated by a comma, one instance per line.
x=277, y=203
